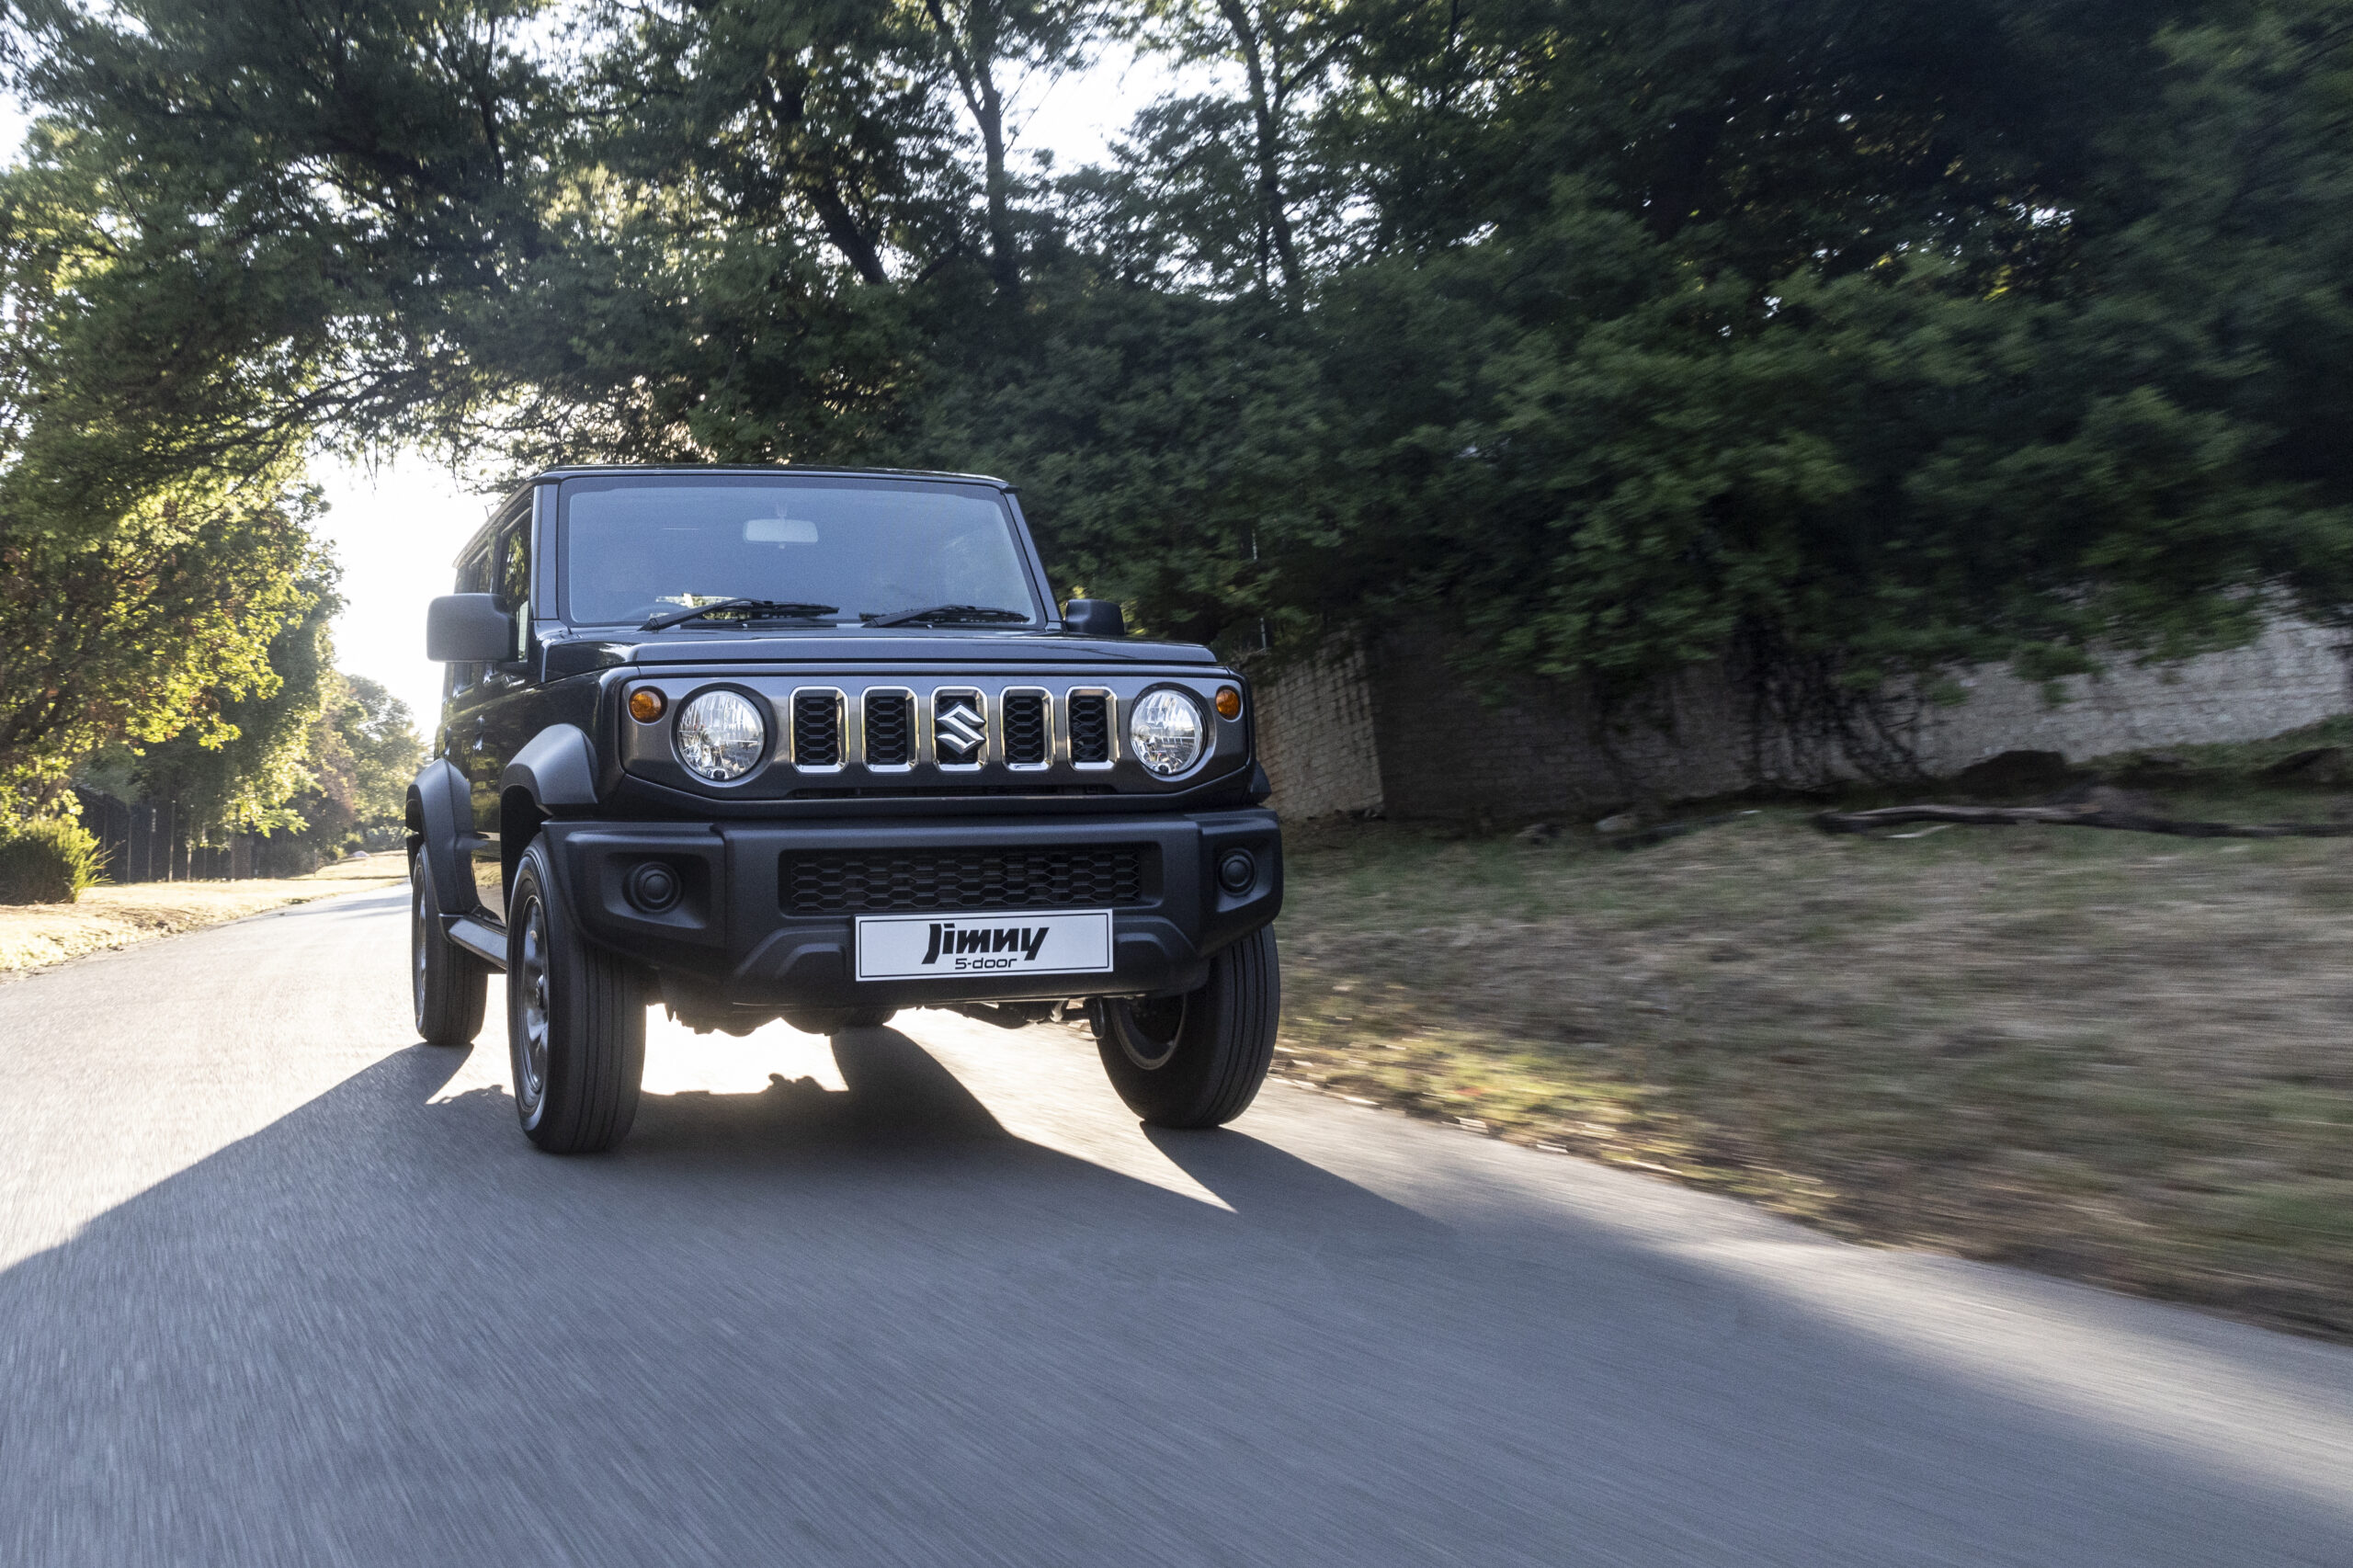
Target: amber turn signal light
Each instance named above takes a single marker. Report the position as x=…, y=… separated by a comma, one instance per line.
x=1229, y=702
x=645, y=705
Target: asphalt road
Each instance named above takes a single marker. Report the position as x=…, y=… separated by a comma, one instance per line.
x=278, y=1284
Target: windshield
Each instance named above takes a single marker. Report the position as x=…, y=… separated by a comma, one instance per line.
x=635, y=548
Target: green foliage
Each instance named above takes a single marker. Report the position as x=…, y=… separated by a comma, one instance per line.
x=377, y=731
x=141, y=633
x=49, y=860
x=240, y=773
x=154, y=527
x=361, y=753
x=1842, y=341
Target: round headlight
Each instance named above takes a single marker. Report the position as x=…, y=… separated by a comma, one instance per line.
x=720, y=736
x=1164, y=731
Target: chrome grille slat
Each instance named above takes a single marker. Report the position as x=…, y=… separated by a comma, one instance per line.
x=1029, y=727
x=890, y=728
x=816, y=728
x=1090, y=728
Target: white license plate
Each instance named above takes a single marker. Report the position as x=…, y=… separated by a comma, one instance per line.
x=932, y=947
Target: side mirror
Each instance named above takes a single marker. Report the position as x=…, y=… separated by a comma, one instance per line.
x=468, y=629
x=1095, y=617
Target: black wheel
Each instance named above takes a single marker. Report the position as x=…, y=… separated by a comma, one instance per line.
x=575, y=1022
x=1198, y=1060
x=447, y=983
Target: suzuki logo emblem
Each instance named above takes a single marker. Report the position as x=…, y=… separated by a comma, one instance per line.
x=957, y=727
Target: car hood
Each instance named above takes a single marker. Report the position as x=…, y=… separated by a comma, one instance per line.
x=581, y=654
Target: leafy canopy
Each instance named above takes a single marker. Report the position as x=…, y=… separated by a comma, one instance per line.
x=1841, y=340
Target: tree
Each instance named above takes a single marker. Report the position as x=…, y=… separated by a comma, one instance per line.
x=142, y=634
x=153, y=526
x=362, y=750
x=243, y=771
x=1832, y=342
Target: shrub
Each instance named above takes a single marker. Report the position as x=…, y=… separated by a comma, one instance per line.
x=48, y=862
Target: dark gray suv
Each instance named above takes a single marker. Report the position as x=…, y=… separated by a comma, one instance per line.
x=817, y=744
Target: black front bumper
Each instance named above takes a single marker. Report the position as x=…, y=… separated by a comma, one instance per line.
x=734, y=940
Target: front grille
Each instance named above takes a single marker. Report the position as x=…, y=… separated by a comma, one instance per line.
x=883, y=881
x=1090, y=727
x=817, y=729
x=1024, y=728
x=890, y=729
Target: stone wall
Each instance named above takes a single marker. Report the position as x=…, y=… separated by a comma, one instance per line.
x=2295, y=676
x=1315, y=736
x=1401, y=731
x=1513, y=750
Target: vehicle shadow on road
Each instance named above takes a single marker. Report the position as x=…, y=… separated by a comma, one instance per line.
x=1268, y=1184
x=382, y=1328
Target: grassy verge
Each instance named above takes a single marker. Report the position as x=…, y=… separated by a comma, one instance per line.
x=2123, y=1058
x=35, y=934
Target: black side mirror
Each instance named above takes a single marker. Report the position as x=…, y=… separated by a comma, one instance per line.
x=1095, y=617
x=468, y=629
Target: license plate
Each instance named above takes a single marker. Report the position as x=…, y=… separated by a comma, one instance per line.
x=931, y=947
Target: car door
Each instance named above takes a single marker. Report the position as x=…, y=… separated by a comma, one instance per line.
x=461, y=733
x=507, y=699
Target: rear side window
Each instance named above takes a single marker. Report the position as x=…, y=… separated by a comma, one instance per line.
x=514, y=556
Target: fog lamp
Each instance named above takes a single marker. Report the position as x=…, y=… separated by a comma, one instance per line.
x=654, y=887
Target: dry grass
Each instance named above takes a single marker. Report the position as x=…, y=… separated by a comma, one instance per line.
x=2108, y=1055
x=35, y=934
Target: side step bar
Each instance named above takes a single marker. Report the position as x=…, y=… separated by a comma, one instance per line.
x=485, y=942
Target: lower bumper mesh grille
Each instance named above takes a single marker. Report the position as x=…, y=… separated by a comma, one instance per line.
x=882, y=882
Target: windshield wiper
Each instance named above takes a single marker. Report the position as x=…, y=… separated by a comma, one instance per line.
x=758, y=608
x=946, y=612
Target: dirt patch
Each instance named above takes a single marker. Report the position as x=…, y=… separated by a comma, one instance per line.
x=2122, y=1059
x=34, y=936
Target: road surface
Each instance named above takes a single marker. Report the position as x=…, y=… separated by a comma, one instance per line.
x=278, y=1284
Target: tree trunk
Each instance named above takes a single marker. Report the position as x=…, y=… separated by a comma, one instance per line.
x=973, y=60
x=1265, y=112
x=789, y=110
x=1005, y=257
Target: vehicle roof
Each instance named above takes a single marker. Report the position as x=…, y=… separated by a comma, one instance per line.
x=571, y=471
x=583, y=470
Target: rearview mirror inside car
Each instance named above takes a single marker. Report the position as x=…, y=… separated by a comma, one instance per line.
x=468, y=629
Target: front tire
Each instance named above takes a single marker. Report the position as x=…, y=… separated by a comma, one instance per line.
x=448, y=984
x=575, y=1022
x=1198, y=1060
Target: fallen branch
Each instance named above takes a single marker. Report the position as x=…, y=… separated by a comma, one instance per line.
x=1644, y=837
x=2074, y=816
